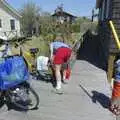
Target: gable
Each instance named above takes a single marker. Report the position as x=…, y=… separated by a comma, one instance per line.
x=7, y=8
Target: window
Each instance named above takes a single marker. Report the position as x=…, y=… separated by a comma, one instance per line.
x=12, y=24
x=100, y=14
x=108, y=8
x=103, y=10
x=0, y=23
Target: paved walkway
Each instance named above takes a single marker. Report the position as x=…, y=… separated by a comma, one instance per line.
x=85, y=98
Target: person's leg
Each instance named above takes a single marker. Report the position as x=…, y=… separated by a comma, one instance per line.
x=64, y=74
x=64, y=79
x=58, y=76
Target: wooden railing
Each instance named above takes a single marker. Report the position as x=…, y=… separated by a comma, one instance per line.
x=112, y=56
x=115, y=34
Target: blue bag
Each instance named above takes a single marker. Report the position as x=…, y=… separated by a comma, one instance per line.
x=13, y=71
x=117, y=70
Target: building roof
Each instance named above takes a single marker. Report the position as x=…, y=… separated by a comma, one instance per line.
x=60, y=13
x=10, y=8
x=98, y=3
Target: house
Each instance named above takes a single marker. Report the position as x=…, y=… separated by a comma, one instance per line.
x=61, y=16
x=108, y=10
x=9, y=20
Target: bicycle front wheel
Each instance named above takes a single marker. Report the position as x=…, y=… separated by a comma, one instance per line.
x=25, y=98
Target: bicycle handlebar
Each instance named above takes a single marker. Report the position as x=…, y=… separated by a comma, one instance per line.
x=6, y=42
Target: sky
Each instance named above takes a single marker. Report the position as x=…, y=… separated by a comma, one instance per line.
x=74, y=7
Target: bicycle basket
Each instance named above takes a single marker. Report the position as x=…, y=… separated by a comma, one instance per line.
x=13, y=71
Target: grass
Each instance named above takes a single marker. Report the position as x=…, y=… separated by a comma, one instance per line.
x=42, y=43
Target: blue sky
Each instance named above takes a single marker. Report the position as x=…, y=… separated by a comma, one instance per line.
x=75, y=7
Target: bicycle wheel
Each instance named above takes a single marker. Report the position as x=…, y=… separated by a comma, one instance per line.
x=1, y=99
x=24, y=98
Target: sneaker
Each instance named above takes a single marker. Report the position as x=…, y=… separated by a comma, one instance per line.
x=64, y=82
x=58, y=91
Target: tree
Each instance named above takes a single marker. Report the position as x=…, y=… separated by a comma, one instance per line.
x=80, y=23
x=30, y=14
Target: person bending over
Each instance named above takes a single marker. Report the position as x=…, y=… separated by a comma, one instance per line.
x=61, y=57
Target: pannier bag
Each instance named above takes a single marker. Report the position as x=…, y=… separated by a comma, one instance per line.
x=13, y=71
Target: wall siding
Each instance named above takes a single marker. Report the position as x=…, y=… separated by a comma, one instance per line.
x=104, y=38
x=115, y=16
x=5, y=17
x=107, y=46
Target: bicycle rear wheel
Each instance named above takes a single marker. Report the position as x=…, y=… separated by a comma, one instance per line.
x=1, y=98
x=25, y=98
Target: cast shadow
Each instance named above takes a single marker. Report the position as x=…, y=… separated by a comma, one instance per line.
x=97, y=97
x=102, y=99
x=45, y=77
x=11, y=106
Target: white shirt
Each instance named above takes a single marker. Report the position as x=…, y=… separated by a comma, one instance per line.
x=56, y=45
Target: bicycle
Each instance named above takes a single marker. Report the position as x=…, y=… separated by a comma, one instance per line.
x=14, y=87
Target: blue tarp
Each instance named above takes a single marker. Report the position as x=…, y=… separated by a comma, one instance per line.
x=13, y=70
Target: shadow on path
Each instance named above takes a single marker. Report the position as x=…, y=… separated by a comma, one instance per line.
x=97, y=97
x=101, y=98
x=44, y=76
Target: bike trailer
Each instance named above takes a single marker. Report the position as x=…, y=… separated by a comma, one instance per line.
x=13, y=71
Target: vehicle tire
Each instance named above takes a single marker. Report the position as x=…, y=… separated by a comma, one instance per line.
x=26, y=98
x=1, y=99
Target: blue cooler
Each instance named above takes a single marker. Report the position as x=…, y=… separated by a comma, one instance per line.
x=13, y=71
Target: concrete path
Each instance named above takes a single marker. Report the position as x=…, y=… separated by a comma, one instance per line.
x=85, y=98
